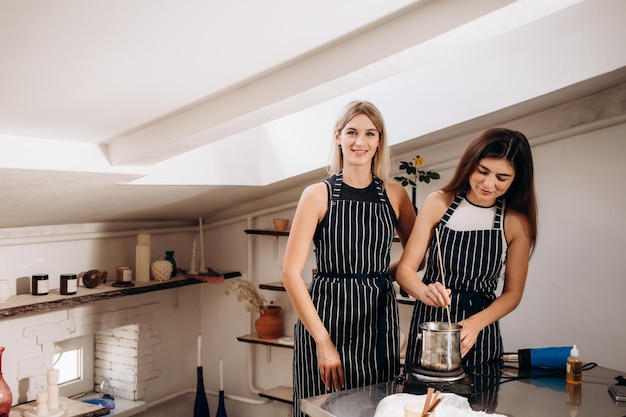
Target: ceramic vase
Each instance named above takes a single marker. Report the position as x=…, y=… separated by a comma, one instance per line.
x=169, y=256
x=201, y=404
x=6, y=399
x=269, y=325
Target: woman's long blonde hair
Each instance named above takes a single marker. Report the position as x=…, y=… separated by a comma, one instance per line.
x=382, y=159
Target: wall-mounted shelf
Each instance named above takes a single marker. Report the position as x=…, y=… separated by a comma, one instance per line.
x=19, y=305
x=265, y=232
x=278, y=286
x=254, y=339
x=282, y=394
x=269, y=232
x=272, y=286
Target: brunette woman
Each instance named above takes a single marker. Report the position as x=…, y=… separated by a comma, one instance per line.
x=486, y=217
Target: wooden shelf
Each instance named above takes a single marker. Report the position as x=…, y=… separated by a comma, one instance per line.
x=405, y=300
x=272, y=286
x=254, y=339
x=265, y=232
x=282, y=394
x=269, y=232
x=19, y=305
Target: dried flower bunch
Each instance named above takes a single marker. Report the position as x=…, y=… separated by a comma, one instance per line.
x=247, y=292
x=414, y=174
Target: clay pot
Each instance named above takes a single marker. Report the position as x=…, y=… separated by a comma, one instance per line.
x=269, y=325
x=281, y=225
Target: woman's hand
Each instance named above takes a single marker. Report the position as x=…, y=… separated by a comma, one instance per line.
x=469, y=335
x=435, y=295
x=331, y=370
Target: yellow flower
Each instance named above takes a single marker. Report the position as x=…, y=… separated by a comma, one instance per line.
x=415, y=175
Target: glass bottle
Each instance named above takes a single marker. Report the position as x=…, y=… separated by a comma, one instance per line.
x=6, y=399
x=107, y=394
x=169, y=256
x=201, y=405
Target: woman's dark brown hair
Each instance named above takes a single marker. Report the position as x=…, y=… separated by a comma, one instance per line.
x=506, y=144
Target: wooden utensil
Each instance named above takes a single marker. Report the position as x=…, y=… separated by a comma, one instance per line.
x=429, y=396
x=443, y=282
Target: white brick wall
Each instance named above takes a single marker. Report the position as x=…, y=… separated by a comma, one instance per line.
x=123, y=348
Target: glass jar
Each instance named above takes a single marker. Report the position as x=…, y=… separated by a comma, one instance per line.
x=40, y=284
x=69, y=284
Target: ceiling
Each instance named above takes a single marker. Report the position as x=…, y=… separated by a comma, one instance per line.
x=165, y=111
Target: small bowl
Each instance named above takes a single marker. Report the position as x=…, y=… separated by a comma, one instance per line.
x=281, y=225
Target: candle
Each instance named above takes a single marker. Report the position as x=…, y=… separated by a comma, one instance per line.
x=202, y=268
x=221, y=376
x=53, y=389
x=201, y=239
x=199, y=350
x=192, y=264
x=42, y=406
x=53, y=376
x=53, y=397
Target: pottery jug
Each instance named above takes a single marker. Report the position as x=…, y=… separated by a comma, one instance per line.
x=6, y=399
x=269, y=325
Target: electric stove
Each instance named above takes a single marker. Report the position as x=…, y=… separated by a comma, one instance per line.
x=417, y=380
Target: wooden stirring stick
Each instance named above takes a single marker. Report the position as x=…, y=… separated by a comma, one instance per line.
x=429, y=396
x=435, y=404
x=443, y=282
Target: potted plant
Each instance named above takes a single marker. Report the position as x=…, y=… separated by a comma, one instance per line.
x=414, y=175
x=269, y=325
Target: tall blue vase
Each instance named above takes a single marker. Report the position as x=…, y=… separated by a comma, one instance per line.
x=221, y=407
x=201, y=405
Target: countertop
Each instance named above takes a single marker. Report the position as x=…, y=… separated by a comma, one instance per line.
x=500, y=389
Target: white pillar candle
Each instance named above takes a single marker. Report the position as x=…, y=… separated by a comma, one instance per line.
x=42, y=406
x=143, y=239
x=199, y=350
x=221, y=375
x=53, y=376
x=142, y=263
x=53, y=397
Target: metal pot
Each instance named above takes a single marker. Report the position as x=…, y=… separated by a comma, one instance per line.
x=441, y=346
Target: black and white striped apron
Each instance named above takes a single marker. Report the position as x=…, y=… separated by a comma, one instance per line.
x=473, y=261
x=353, y=295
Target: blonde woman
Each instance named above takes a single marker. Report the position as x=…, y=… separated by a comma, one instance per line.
x=347, y=334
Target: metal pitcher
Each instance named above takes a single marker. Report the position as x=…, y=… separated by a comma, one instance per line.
x=441, y=346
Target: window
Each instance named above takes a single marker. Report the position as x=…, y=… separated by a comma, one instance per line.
x=74, y=360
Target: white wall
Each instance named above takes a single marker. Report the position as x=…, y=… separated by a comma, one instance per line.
x=576, y=282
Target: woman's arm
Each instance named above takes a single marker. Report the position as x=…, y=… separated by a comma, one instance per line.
x=517, y=232
x=404, y=213
x=430, y=213
x=311, y=209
